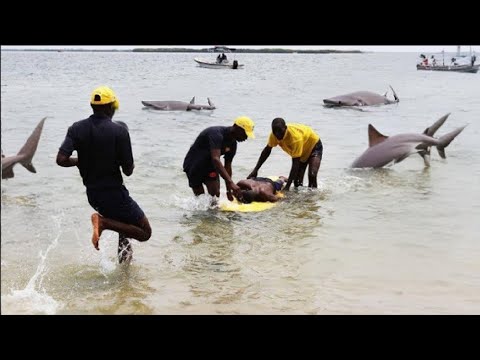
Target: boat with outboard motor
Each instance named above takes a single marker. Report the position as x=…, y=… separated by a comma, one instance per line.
x=222, y=62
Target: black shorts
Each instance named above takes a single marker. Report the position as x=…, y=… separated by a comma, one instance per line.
x=198, y=175
x=115, y=204
x=317, y=151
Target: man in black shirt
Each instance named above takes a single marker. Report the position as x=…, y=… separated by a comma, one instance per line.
x=103, y=146
x=202, y=163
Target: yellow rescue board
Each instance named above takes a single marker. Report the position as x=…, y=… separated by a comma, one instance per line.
x=252, y=207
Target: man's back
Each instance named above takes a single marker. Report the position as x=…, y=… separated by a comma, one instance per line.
x=214, y=137
x=102, y=146
x=298, y=141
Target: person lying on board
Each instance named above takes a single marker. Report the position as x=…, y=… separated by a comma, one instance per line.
x=260, y=189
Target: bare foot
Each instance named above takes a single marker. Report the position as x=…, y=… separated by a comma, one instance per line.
x=97, y=229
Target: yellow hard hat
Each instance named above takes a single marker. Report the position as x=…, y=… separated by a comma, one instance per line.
x=104, y=95
x=246, y=124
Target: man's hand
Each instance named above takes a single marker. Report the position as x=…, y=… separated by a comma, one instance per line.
x=237, y=192
x=253, y=174
x=229, y=195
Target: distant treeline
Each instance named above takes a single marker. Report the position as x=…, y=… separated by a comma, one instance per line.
x=257, y=51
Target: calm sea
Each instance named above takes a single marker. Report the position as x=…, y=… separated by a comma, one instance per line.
x=400, y=240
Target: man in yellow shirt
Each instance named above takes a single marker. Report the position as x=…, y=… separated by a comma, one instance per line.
x=302, y=144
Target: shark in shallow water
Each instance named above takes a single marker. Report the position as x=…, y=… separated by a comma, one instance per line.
x=360, y=98
x=25, y=155
x=383, y=149
x=178, y=105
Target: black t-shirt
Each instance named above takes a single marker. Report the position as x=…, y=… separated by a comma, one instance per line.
x=102, y=147
x=214, y=137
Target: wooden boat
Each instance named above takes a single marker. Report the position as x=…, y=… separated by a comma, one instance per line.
x=458, y=68
x=462, y=63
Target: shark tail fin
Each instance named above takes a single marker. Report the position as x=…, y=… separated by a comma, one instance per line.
x=29, y=166
x=431, y=130
x=394, y=94
x=30, y=147
x=210, y=102
x=446, y=139
x=424, y=149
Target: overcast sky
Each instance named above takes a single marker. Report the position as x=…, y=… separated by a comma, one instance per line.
x=396, y=48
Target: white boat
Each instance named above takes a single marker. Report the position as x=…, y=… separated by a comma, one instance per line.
x=219, y=65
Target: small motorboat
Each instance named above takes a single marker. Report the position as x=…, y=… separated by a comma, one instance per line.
x=225, y=64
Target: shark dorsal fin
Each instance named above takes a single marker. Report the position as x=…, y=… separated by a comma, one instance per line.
x=374, y=136
x=193, y=100
x=394, y=94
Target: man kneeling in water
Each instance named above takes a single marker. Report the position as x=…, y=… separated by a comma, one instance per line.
x=260, y=189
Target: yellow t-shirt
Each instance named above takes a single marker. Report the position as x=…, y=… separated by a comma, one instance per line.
x=299, y=141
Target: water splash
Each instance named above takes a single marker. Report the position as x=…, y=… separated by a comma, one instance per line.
x=33, y=298
x=344, y=184
x=107, y=263
x=195, y=203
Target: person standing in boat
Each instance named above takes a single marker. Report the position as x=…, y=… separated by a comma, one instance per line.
x=425, y=61
x=422, y=57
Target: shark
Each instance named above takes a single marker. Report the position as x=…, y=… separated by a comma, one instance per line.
x=384, y=150
x=360, y=98
x=171, y=105
x=25, y=155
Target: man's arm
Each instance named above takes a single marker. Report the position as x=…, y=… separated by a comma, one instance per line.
x=66, y=161
x=293, y=173
x=263, y=156
x=215, y=154
x=125, y=153
x=64, y=158
x=228, y=167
